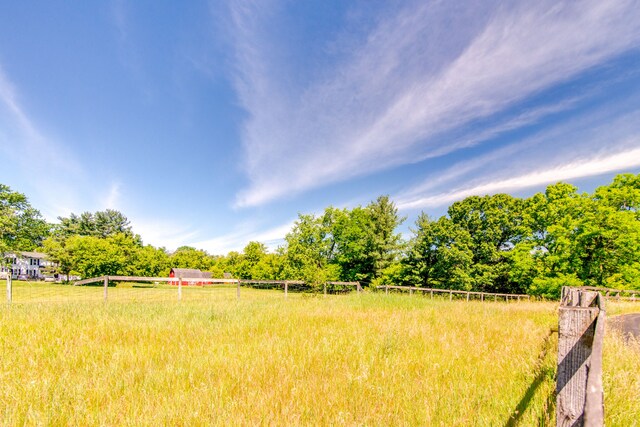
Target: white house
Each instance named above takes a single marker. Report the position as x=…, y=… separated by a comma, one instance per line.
x=26, y=265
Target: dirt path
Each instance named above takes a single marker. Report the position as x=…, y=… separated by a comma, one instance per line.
x=627, y=324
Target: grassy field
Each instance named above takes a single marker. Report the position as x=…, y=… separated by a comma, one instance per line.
x=621, y=372
x=365, y=359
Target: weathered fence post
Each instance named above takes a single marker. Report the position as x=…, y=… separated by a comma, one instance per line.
x=238, y=289
x=358, y=287
x=179, y=288
x=482, y=297
x=324, y=288
x=467, y=296
x=594, y=405
x=579, y=361
x=9, y=288
x=106, y=287
x=450, y=295
x=286, y=288
x=386, y=289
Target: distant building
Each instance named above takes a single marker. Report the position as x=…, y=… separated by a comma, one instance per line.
x=25, y=265
x=188, y=273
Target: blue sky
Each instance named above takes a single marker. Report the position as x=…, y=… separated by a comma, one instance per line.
x=215, y=123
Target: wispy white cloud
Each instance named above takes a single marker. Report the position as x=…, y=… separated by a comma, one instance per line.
x=579, y=168
x=112, y=197
x=407, y=82
x=51, y=165
x=588, y=145
x=238, y=239
x=163, y=232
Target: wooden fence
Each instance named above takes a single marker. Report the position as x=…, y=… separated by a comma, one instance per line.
x=181, y=280
x=467, y=294
x=617, y=294
x=579, y=390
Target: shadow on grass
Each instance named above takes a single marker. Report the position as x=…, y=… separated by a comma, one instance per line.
x=541, y=374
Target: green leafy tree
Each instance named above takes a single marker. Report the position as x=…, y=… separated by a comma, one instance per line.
x=149, y=261
x=385, y=243
x=308, y=251
x=494, y=224
x=440, y=255
x=189, y=257
x=623, y=194
x=363, y=242
x=99, y=224
x=252, y=255
x=57, y=251
x=22, y=228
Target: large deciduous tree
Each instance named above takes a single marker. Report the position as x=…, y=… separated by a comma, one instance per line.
x=99, y=224
x=190, y=257
x=308, y=252
x=22, y=228
x=440, y=255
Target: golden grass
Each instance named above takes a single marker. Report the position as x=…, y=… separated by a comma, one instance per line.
x=621, y=380
x=615, y=308
x=345, y=360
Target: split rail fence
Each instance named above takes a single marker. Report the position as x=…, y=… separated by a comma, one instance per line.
x=151, y=288
x=617, y=294
x=466, y=294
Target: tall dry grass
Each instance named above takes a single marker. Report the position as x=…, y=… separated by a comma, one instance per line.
x=621, y=371
x=347, y=360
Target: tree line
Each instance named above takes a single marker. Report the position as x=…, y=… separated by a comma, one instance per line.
x=497, y=243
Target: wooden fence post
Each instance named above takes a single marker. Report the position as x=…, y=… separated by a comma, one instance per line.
x=286, y=288
x=9, y=288
x=594, y=404
x=179, y=288
x=576, y=329
x=106, y=287
x=482, y=296
x=431, y=293
x=386, y=289
x=325, y=288
x=467, y=296
x=450, y=295
x=238, y=289
x=358, y=287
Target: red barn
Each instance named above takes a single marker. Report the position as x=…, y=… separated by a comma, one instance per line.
x=188, y=273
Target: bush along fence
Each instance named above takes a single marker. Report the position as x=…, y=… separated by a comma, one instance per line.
x=482, y=296
x=579, y=392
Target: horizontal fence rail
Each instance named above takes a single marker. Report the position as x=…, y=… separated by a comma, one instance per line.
x=618, y=294
x=450, y=292
x=150, y=288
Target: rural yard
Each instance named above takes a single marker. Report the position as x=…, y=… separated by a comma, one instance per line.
x=320, y=213
x=356, y=359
